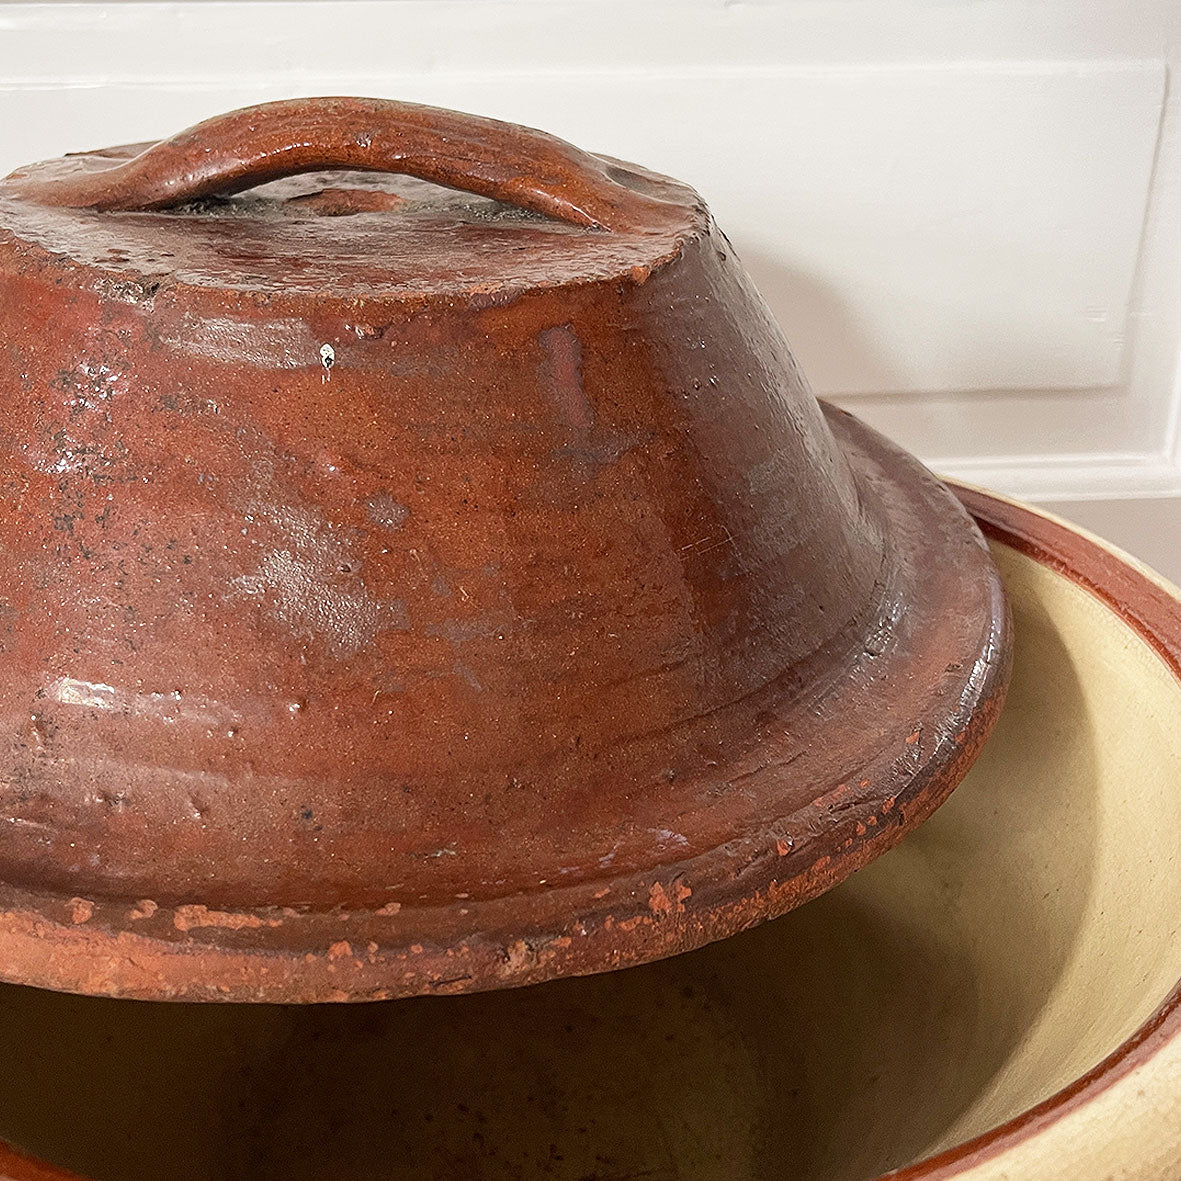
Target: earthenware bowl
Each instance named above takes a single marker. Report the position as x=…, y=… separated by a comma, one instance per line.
x=995, y=999
x=441, y=582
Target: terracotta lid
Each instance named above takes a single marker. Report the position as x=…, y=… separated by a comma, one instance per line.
x=437, y=584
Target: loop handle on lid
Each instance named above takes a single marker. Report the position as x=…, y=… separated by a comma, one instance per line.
x=226, y=154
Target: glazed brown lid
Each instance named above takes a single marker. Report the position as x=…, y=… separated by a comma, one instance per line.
x=415, y=590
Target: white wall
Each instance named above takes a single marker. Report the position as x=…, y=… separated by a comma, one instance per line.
x=966, y=215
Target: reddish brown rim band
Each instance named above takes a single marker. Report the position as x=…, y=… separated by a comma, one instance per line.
x=1155, y=615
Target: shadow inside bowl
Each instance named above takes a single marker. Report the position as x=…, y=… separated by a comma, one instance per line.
x=996, y=954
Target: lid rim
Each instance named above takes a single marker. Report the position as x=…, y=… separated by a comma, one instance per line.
x=284, y=956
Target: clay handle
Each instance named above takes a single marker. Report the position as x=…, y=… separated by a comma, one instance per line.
x=247, y=147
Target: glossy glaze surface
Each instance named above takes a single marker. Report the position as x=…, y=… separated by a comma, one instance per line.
x=439, y=596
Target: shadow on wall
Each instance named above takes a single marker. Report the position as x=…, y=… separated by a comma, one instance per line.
x=933, y=413
x=832, y=348
x=841, y=360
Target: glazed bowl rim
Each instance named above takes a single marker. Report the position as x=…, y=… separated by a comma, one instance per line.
x=1151, y=606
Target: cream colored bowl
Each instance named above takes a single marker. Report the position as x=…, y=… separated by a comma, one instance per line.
x=997, y=998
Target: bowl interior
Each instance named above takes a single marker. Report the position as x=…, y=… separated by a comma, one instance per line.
x=1002, y=950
